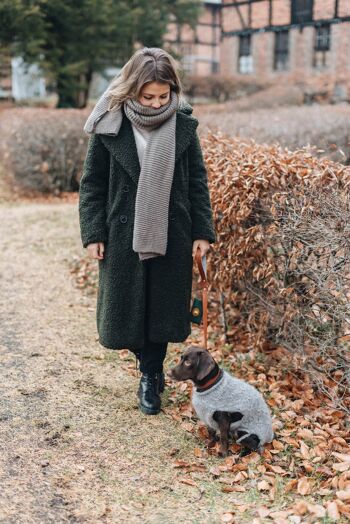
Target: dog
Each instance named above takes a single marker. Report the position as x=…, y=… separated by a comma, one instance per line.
x=226, y=404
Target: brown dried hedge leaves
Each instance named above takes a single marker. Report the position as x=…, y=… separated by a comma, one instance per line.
x=282, y=260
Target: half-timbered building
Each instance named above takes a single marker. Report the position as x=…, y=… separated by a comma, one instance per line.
x=289, y=38
x=199, y=47
x=303, y=42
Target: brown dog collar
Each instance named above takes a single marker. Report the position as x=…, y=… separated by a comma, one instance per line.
x=210, y=383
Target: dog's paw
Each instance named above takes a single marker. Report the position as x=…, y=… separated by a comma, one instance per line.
x=211, y=444
x=245, y=452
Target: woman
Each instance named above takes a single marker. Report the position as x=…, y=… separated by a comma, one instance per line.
x=144, y=208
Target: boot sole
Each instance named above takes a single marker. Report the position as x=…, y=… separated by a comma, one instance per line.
x=148, y=411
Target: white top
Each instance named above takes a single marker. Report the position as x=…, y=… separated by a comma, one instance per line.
x=141, y=137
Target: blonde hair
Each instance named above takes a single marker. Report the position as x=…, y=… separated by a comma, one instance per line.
x=149, y=64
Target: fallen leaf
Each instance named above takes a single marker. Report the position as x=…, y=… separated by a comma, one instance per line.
x=229, y=489
x=341, y=466
x=292, y=484
x=304, y=486
x=300, y=507
x=324, y=492
x=343, y=495
x=187, y=426
x=340, y=440
x=277, y=469
x=343, y=508
x=276, y=444
x=252, y=457
x=227, y=518
x=332, y=511
x=181, y=464
x=294, y=519
x=263, y=485
x=344, y=483
x=239, y=477
x=197, y=467
x=308, y=466
x=341, y=456
x=305, y=433
x=291, y=441
x=304, y=450
x=317, y=510
x=280, y=517
x=263, y=511
x=186, y=480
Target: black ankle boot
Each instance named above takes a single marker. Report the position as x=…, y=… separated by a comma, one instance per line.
x=137, y=358
x=148, y=394
x=161, y=382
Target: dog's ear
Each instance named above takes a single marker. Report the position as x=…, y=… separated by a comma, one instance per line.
x=205, y=364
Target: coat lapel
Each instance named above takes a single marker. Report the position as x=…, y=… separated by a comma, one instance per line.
x=123, y=146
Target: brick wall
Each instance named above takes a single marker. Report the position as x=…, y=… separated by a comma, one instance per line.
x=199, y=47
x=344, y=8
x=300, y=68
x=235, y=18
x=199, y=54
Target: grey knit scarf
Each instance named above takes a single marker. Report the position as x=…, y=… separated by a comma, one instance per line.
x=150, y=235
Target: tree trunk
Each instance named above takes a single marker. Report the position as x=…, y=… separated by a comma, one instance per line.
x=73, y=92
x=84, y=92
x=65, y=92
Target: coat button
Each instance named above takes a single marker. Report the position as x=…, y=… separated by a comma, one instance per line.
x=126, y=188
x=123, y=219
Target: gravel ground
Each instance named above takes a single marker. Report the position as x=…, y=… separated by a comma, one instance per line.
x=74, y=445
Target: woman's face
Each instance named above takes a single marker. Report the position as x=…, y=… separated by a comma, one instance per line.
x=154, y=94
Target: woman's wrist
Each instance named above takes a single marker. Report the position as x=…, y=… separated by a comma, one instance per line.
x=202, y=244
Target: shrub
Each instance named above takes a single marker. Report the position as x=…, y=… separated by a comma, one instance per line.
x=282, y=261
x=326, y=127
x=43, y=149
x=219, y=87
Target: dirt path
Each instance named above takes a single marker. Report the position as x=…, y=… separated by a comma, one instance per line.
x=74, y=445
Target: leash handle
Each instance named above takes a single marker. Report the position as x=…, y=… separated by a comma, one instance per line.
x=203, y=285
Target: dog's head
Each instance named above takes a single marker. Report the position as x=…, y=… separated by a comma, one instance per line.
x=195, y=364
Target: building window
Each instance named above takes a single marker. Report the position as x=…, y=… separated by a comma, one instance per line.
x=322, y=45
x=323, y=37
x=214, y=67
x=302, y=11
x=281, y=54
x=187, y=52
x=245, y=58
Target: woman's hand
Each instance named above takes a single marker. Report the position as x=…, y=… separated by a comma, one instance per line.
x=204, y=246
x=96, y=250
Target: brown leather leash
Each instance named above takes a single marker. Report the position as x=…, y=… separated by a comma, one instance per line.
x=203, y=285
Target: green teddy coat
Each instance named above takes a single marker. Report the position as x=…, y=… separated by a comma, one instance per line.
x=107, y=197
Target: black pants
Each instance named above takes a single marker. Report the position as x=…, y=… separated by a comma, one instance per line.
x=152, y=354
